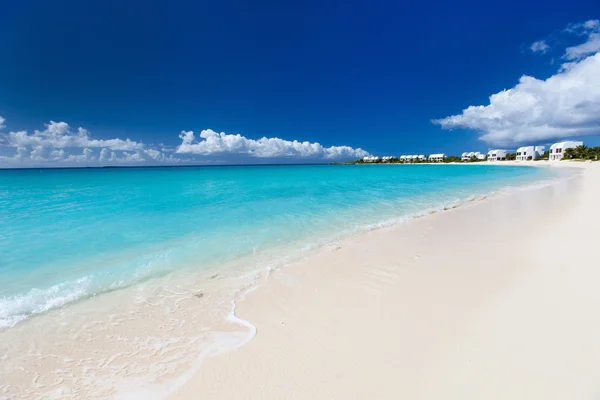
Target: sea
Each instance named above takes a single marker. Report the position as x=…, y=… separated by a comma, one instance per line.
x=100, y=267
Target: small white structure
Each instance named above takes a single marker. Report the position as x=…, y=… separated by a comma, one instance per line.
x=528, y=153
x=437, y=157
x=387, y=158
x=421, y=157
x=467, y=156
x=403, y=158
x=370, y=159
x=496, y=155
x=557, y=149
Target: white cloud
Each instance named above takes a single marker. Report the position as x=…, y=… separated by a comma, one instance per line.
x=591, y=30
x=211, y=142
x=58, y=145
x=539, y=47
x=565, y=105
x=591, y=46
x=59, y=135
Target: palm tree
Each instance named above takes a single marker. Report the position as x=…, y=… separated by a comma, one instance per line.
x=581, y=152
x=569, y=153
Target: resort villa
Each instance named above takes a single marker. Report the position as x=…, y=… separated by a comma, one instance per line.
x=466, y=156
x=437, y=157
x=528, y=153
x=370, y=159
x=557, y=149
x=496, y=155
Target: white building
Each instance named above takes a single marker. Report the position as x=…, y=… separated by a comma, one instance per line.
x=437, y=157
x=527, y=153
x=403, y=158
x=557, y=149
x=421, y=157
x=496, y=155
x=467, y=156
x=370, y=159
x=387, y=158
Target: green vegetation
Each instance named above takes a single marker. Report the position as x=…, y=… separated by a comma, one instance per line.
x=452, y=159
x=545, y=156
x=511, y=156
x=582, y=153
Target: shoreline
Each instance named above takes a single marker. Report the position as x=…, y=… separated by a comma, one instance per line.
x=229, y=330
x=285, y=315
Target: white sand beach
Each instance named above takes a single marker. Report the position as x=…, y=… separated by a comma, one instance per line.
x=494, y=300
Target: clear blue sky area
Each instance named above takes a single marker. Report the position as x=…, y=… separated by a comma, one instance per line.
x=369, y=74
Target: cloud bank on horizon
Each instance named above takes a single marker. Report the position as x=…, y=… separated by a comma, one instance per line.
x=61, y=146
x=212, y=142
x=566, y=104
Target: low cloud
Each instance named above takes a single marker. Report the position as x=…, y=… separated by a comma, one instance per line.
x=213, y=143
x=565, y=105
x=59, y=145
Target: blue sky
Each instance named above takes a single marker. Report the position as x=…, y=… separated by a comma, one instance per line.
x=370, y=75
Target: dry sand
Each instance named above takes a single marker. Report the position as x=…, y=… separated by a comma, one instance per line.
x=495, y=300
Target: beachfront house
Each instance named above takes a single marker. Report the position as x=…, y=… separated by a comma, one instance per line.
x=421, y=157
x=528, y=153
x=557, y=149
x=387, y=158
x=496, y=155
x=437, y=157
x=370, y=159
x=467, y=156
x=403, y=158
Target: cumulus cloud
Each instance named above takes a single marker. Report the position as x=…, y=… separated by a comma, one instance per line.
x=539, y=47
x=59, y=145
x=59, y=135
x=565, y=105
x=211, y=142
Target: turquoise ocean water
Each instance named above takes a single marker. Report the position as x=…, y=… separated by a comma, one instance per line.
x=69, y=234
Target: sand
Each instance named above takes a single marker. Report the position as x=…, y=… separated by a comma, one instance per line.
x=494, y=300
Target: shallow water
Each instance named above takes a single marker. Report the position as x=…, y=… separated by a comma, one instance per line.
x=70, y=234
x=114, y=280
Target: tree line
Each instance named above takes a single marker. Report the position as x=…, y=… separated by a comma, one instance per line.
x=582, y=153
